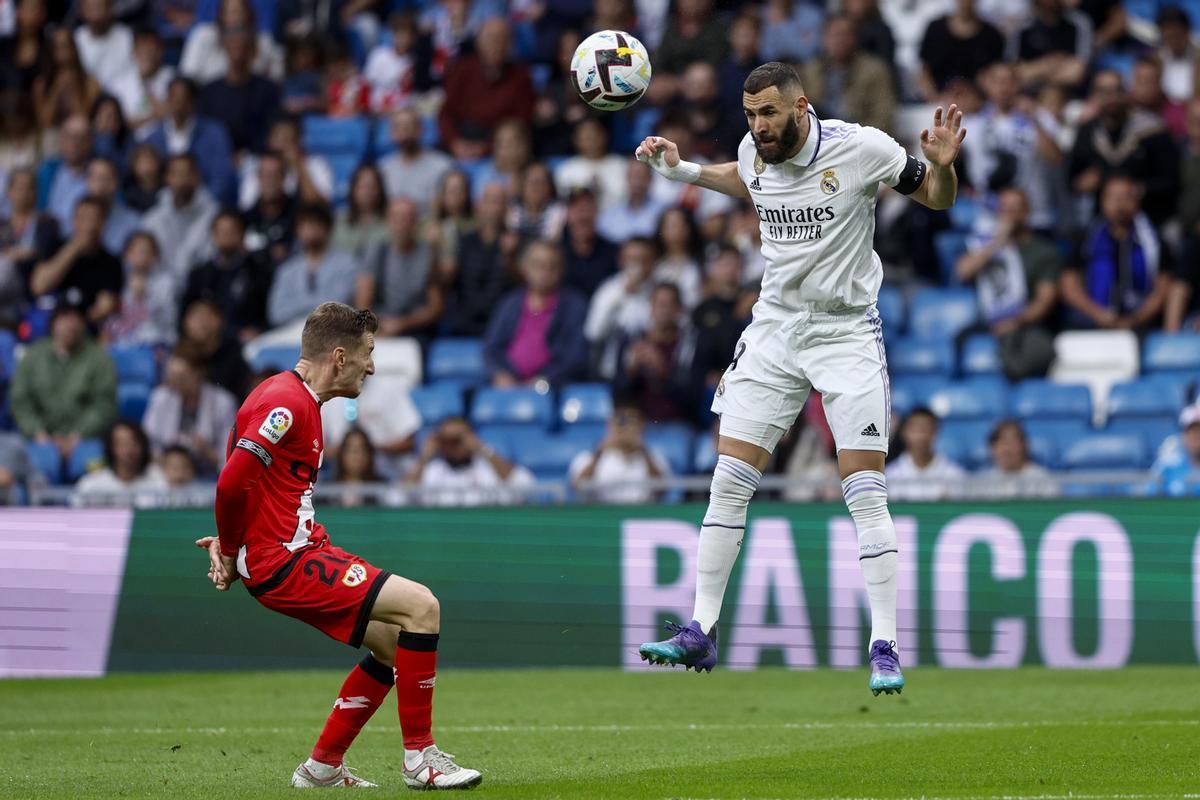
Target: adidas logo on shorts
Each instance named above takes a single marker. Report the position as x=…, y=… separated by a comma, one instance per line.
x=755, y=185
x=870, y=430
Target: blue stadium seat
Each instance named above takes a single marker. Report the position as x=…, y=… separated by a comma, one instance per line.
x=1040, y=399
x=1178, y=352
x=438, y=401
x=980, y=355
x=981, y=398
x=327, y=136
x=942, y=313
x=456, y=359
x=342, y=165
x=910, y=392
x=965, y=442
x=1185, y=385
x=511, y=406
x=46, y=460
x=672, y=441
x=278, y=357
x=549, y=457
x=504, y=438
x=891, y=310
x=1101, y=451
x=1142, y=9
x=913, y=356
x=1145, y=397
x=1049, y=438
x=949, y=245
x=135, y=364
x=963, y=213
x=1153, y=431
x=8, y=356
x=132, y=399
x=704, y=459
x=585, y=402
x=87, y=455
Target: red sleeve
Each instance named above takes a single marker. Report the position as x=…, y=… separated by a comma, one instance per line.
x=241, y=472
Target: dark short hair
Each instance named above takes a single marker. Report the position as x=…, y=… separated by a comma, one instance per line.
x=230, y=213
x=645, y=241
x=180, y=450
x=1173, y=15
x=333, y=325
x=105, y=160
x=90, y=200
x=139, y=434
x=315, y=212
x=186, y=83
x=921, y=411
x=190, y=355
x=1004, y=424
x=667, y=286
x=140, y=235
x=772, y=73
x=188, y=158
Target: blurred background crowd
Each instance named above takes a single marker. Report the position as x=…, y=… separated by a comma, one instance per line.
x=184, y=180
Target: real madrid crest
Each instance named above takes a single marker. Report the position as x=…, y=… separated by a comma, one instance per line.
x=720, y=386
x=760, y=166
x=829, y=182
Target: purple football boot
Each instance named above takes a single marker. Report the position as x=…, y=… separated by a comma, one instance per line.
x=885, y=668
x=690, y=647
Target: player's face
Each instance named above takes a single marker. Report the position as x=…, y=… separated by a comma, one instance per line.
x=1008, y=451
x=918, y=434
x=357, y=363
x=774, y=120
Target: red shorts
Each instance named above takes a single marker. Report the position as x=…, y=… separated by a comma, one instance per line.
x=328, y=588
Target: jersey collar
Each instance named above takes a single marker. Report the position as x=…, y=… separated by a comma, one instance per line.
x=308, y=388
x=812, y=145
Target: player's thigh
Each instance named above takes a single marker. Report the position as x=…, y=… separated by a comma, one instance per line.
x=760, y=387
x=848, y=367
x=852, y=461
x=408, y=604
x=380, y=639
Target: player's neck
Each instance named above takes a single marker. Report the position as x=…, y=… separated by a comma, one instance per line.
x=316, y=379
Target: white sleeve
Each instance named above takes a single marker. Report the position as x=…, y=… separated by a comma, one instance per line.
x=881, y=159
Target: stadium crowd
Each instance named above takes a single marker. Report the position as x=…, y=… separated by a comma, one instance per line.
x=184, y=180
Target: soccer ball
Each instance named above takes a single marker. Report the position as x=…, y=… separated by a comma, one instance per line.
x=610, y=70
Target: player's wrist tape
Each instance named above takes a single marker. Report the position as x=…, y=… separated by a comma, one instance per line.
x=684, y=171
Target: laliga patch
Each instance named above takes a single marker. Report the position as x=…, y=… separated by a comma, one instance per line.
x=355, y=575
x=276, y=424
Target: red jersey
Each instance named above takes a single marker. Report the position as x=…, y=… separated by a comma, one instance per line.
x=264, y=495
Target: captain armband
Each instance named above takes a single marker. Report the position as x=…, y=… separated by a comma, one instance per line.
x=255, y=448
x=911, y=176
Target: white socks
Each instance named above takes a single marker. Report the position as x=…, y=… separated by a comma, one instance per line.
x=733, y=484
x=866, y=497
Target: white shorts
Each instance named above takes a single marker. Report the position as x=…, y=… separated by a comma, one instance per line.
x=778, y=362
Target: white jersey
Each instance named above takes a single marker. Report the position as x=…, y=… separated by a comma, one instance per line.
x=817, y=217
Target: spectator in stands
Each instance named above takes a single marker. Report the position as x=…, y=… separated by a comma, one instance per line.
x=920, y=473
x=413, y=171
x=620, y=307
x=181, y=131
x=1055, y=46
x=204, y=332
x=537, y=213
x=791, y=31
x=722, y=315
x=1016, y=274
x=483, y=90
x=694, y=34
x=638, y=213
x=1012, y=148
x=302, y=92
x=69, y=183
x=398, y=70
x=128, y=477
x=673, y=125
x=187, y=410
x=1146, y=93
x=700, y=102
x=479, y=275
x=65, y=388
x=145, y=179
x=1176, y=52
x=236, y=280
x=558, y=107
x=142, y=89
x=17, y=472
x=457, y=469
x=679, y=246
x=182, y=219
x=1178, y=468
x=846, y=83
x=620, y=468
x=110, y=135
x=872, y=31
x=590, y=258
x=147, y=313
x=27, y=53
x=314, y=275
x=246, y=103
x=309, y=177
x=105, y=45
x=398, y=279
x=1012, y=474
x=1121, y=139
x=356, y=466
x=348, y=94
x=64, y=88
x=104, y=184
x=178, y=467
x=20, y=146
x=1184, y=295
x=1121, y=277
x=592, y=166
x=657, y=368
x=452, y=215
x=203, y=58
x=26, y=237
x=362, y=224
x=82, y=273
x=744, y=34
x=271, y=222
x=511, y=153
x=536, y=333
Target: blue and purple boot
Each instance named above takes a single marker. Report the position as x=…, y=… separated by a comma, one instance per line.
x=885, y=668
x=690, y=647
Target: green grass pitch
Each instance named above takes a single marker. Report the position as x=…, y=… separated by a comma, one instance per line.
x=1133, y=733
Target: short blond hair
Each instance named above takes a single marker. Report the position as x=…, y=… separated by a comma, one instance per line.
x=333, y=325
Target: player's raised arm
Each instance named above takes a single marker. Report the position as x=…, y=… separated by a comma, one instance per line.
x=940, y=145
x=663, y=157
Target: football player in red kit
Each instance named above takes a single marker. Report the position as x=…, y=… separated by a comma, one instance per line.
x=268, y=537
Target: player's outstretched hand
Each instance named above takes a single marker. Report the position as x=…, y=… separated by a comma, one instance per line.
x=222, y=571
x=941, y=142
x=657, y=152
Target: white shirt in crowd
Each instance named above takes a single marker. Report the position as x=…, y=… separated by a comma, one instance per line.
x=204, y=60
x=938, y=480
x=164, y=418
x=319, y=172
x=135, y=93
x=475, y=484
x=627, y=472
x=106, y=58
x=104, y=488
x=1029, y=481
x=605, y=176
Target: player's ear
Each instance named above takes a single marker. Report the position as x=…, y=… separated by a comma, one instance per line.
x=801, y=107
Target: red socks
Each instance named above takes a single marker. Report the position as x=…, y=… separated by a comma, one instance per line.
x=416, y=672
x=364, y=690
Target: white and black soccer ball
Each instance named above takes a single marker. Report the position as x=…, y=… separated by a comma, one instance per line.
x=610, y=70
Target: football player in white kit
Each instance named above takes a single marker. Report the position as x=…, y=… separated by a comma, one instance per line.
x=813, y=182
